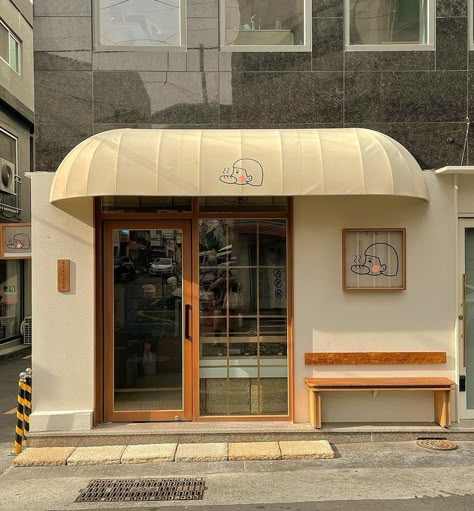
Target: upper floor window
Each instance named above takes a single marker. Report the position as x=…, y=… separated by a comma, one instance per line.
x=265, y=25
x=132, y=24
x=389, y=25
x=9, y=47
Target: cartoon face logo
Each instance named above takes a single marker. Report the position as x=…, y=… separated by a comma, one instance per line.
x=244, y=172
x=373, y=264
x=19, y=241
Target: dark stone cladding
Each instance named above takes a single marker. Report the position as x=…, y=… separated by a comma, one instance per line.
x=420, y=98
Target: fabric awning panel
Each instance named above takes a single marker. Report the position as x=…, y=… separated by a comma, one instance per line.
x=346, y=161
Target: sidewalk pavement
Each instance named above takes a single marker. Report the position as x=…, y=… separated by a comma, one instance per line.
x=375, y=471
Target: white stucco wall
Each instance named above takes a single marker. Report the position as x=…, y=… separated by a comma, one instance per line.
x=63, y=332
x=422, y=318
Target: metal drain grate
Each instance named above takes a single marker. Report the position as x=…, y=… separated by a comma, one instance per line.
x=437, y=444
x=131, y=490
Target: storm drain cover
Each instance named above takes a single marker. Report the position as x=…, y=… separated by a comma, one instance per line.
x=130, y=490
x=437, y=445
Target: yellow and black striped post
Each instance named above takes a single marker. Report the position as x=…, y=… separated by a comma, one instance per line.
x=19, y=415
x=26, y=406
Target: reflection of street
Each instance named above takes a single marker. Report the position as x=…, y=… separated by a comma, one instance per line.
x=148, y=320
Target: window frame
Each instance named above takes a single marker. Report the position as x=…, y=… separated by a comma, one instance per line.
x=470, y=25
x=8, y=134
x=275, y=48
x=430, y=45
x=119, y=48
x=12, y=35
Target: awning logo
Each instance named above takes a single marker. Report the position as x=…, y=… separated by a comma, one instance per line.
x=244, y=172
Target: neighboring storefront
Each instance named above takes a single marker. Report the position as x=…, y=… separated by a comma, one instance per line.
x=203, y=265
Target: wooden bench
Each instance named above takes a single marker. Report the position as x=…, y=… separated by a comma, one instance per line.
x=440, y=386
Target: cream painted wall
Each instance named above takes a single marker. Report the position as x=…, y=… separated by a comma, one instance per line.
x=63, y=333
x=466, y=193
x=422, y=318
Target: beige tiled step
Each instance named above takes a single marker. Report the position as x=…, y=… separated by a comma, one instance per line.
x=155, y=453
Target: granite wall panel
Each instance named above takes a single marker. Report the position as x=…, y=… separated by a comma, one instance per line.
x=421, y=98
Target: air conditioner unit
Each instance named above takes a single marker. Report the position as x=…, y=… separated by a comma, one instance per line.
x=7, y=176
x=26, y=330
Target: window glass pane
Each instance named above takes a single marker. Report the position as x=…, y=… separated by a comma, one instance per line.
x=388, y=21
x=264, y=23
x=10, y=298
x=140, y=23
x=14, y=54
x=4, y=36
x=252, y=204
x=147, y=204
x=243, y=317
x=7, y=148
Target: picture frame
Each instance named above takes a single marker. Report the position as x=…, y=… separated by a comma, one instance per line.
x=15, y=241
x=374, y=259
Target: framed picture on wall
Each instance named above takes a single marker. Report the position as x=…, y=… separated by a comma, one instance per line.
x=374, y=259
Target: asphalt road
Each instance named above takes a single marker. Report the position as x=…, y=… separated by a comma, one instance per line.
x=428, y=504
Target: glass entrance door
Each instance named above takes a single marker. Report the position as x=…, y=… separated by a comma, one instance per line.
x=466, y=325
x=148, y=321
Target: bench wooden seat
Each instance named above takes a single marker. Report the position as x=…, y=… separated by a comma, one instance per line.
x=440, y=386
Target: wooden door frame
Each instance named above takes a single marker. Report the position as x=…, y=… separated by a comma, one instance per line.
x=108, y=354
x=101, y=218
x=463, y=224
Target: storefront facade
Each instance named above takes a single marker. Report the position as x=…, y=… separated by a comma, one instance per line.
x=204, y=261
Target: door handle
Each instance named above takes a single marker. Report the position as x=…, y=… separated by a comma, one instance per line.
x=187, y=321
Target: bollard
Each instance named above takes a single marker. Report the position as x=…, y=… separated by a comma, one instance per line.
x=26, y=407
x=19, y=415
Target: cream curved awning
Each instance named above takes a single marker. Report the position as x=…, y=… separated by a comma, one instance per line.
x=292, y=162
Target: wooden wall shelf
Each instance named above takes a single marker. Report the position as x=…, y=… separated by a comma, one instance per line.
x=375, y=357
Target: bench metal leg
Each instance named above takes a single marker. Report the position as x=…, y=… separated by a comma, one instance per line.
x=442, y=407
x=314, y=408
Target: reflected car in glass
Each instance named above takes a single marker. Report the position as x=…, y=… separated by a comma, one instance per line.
x=161, y=266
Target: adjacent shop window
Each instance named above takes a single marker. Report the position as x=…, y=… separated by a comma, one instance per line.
x=249, y=25
x=9, y=47
x=243, y=317
x=139, y=23
x=389, y=24
x=10, y=302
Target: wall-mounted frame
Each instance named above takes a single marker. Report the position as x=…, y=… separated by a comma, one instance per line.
x=374, y=259
x=15, y=241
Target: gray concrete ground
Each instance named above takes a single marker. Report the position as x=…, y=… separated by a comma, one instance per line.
x=9, y=371
x=387, y=474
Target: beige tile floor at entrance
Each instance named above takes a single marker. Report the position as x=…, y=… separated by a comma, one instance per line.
x=156, y=453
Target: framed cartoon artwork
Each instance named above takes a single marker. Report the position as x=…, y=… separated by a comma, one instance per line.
x=15, y=241
x=374, y=259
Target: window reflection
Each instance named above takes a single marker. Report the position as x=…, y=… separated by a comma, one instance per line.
x=388, y=21
x=243, y=317
x=264, y=23
x=140, y=23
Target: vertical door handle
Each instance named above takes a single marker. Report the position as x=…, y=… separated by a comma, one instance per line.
x=464, y=317
x=187, y=321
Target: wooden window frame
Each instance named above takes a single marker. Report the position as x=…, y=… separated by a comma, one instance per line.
x=194, y=216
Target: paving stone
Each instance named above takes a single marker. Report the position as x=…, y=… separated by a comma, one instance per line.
x=103, y=455
x=202, y=452
x=150, y=453
x=43, y=456
x=254, y=451
x=306, y=449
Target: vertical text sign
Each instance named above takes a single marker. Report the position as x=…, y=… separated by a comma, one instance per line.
x=64, y=275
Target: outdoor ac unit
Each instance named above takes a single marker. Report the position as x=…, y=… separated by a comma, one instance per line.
x=7, y=176
x=26, y=330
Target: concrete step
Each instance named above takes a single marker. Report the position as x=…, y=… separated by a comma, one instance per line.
x=12, y=349
x=200, y=432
